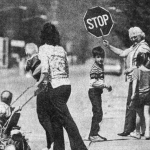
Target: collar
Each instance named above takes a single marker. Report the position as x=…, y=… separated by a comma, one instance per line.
x=101, y=66
x=144, y=68
x=134, y=45
x=32, y=56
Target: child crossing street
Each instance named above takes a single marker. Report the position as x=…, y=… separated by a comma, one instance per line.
x=95, y=91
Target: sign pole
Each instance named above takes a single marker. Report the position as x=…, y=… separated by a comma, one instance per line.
x=102, y=34
x=103, y=40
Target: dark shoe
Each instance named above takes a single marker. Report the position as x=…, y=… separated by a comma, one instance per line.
x=147, y=138
x=97, y=138
x=105, y=139
x=142, y=134
x=124, y=134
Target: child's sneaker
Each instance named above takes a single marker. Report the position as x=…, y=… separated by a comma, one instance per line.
x=147, y=136
x=52, y=146
x=97, y=138
x=135, y=135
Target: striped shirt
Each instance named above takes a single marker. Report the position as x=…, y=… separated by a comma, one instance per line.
x=142, y=74
x=33, y=65
x=96, y=74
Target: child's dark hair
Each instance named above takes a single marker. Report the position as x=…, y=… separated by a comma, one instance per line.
x=142, y=58
x=98, y=51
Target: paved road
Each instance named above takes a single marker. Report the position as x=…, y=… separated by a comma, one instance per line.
x=80, y=107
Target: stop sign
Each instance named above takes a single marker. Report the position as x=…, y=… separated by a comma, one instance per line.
x=98, y=21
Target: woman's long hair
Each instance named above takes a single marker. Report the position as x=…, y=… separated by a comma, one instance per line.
x=50, y=35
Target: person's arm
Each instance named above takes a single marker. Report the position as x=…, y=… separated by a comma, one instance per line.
x=97, y=79
x=129, y=70
x=134, y=85
x=28, y=65
x=42, y=77
x=44, y=70
x=112, y=48
x=120, y=52
x=101, y=85
x=135, y=77
x=133, y=96
x=43, y=80
x=44, y=64
x=8, y=112
x=66, y=63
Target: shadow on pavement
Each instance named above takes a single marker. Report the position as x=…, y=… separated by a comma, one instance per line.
x=92, y=142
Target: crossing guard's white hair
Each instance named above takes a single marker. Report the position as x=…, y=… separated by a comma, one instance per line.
x=134, y=31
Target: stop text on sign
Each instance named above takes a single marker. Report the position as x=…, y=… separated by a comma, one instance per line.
x=97, y=21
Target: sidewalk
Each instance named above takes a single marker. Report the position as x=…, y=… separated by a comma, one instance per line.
x=80, y=107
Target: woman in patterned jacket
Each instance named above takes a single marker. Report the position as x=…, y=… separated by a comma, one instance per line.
x=54, y=67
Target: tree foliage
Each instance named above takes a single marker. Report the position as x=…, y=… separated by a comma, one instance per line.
x=69, y=14
x=133, y=13
x=21, y=20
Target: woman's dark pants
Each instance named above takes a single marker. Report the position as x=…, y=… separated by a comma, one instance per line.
x=130, y=117
x=62, y=118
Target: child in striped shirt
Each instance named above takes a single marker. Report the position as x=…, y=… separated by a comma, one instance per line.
x=33, y=61
x=95, y=90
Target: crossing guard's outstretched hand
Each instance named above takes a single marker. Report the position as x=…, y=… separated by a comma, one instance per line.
x=106, y=43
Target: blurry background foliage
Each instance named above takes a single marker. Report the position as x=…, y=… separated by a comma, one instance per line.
x=133, y=13
x=17, y=22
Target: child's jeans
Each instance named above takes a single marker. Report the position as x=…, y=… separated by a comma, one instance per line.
x=95, y=98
